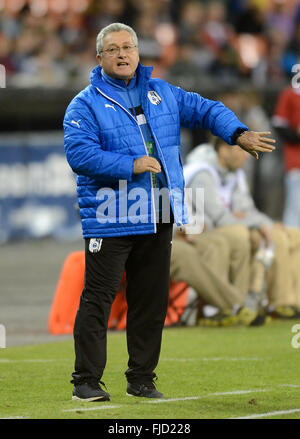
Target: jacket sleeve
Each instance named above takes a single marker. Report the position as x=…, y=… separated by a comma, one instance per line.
x=83, y=149
x=196, y=111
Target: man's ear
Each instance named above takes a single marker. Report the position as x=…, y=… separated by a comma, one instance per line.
x=99, y=59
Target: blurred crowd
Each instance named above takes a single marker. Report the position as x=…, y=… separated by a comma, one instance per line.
x=51, y=43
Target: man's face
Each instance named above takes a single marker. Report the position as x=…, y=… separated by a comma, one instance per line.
x=123, y=64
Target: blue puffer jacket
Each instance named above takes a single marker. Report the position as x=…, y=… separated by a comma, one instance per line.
x=102, y=140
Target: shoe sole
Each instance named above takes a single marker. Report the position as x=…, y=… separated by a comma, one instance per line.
x=95, y=398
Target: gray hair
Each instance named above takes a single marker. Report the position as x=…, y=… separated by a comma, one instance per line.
x=114, y=27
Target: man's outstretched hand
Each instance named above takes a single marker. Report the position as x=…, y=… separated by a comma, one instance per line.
x=252, y=141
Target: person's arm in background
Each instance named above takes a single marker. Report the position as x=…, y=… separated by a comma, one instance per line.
x=286, y=133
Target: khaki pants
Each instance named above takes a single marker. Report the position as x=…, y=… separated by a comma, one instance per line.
x=283, y=277
x=216, y=264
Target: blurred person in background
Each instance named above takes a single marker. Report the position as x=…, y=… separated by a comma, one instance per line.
x=224, y=67
x=286, y=120
x=272, y=67
x=280, y=17
x=216, y=29
x=265, y=186
x=228, y=201
x=194, y=57
x=192, y=18
x=125, y=127
x=250, y=20
x=6, y=59
x=186, y=67
x=291, y=54
x=149, y=48
x=217, y=266
x=100, y=14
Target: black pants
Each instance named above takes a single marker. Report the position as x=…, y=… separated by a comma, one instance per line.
x=146, y=259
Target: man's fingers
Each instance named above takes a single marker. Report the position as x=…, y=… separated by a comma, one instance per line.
x=265, y=146
x=263, y=149
x=153, y=169
x=154, y=166
x=267, y=139
x=264, y=133
x=254, y=153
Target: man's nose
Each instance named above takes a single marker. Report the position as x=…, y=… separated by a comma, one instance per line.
x=122, y=52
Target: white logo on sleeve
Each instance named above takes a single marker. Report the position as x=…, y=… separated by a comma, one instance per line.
x=110, y=106
x=95, y=245
x=76, y=123
x=154, y=97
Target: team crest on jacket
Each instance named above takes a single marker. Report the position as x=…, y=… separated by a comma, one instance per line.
x=95, y=245
x=153, y=97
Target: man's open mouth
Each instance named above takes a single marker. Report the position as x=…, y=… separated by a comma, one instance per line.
x=122, y=64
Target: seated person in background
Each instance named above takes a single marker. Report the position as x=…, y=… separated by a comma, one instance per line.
x=227, y=201
x=217, y=267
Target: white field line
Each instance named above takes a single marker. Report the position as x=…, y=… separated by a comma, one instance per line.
x=264, y=415
x=186, y=398
x=289, y=385
x=233, y=392
x=157, y=401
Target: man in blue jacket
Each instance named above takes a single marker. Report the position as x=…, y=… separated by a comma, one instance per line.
x=122, y=139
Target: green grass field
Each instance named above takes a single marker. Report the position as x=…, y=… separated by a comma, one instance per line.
x=204, y=373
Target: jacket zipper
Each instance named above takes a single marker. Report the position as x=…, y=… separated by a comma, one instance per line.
x=168, y=177
x=128, y=112
x=166, y=171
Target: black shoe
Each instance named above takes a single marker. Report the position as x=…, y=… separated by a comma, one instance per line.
x=89, y=392
x=144, y=390
x=261, y=319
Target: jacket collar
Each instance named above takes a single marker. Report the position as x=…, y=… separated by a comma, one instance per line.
x=119, y=84
x=143, y=74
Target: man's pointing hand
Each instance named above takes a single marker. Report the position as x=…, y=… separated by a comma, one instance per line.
x=252, y=141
